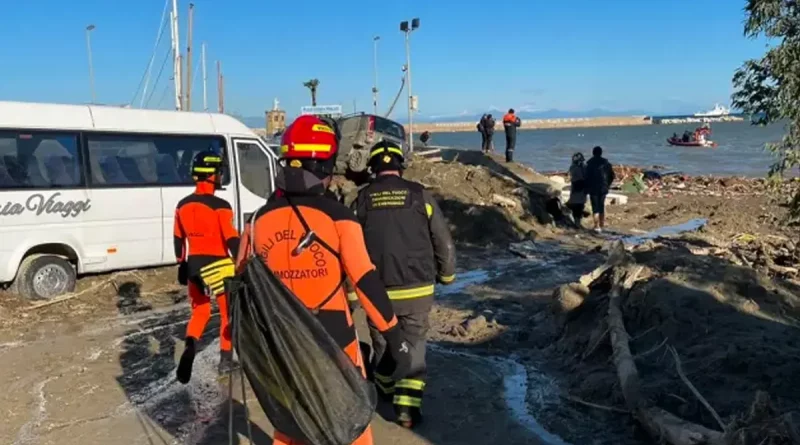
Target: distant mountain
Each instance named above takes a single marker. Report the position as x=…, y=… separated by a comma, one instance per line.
x=253, y=122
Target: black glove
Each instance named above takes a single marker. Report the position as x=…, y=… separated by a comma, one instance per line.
x=183, y=273
x=400, y=350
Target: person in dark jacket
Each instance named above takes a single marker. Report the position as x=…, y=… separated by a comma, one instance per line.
x=409, y=242
x=510, y=123
x=577, y=193
x=488, y=145
x=482, y=130
x=599, y=176
x=425, y=137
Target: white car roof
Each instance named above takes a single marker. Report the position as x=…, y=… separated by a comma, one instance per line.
x=44, y=116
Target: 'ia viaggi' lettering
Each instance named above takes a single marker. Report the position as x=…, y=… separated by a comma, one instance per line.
x=316, y=251
x=38, y=204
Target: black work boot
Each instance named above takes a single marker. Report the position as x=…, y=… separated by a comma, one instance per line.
x=408, y=417
x=184, y=372
x=226, y=362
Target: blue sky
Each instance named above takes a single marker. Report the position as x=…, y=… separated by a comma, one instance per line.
x=467, y=56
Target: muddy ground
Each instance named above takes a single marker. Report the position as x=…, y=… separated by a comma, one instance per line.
x=509, y=361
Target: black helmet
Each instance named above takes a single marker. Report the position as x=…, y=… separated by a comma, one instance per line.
x=386, y=155
x=577, y=158
x=206, y=164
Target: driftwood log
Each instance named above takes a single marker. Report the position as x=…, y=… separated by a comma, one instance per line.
x=658, y=423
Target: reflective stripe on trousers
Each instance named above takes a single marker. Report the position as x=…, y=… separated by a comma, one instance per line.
x=414, y=292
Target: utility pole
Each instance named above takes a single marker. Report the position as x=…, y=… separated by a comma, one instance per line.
x=189, y=67
x=220, y=89
x=205, y=76
x=89, y=30
x=411, y=102
x=176, y=57
x=375, y=70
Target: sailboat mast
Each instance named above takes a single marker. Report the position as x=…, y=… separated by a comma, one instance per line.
x=189, y=67
x=205, y=76
x=220, y=89
x=176, y=57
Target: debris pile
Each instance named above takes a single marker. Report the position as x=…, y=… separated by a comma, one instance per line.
x=483, y=204
x=693, y=348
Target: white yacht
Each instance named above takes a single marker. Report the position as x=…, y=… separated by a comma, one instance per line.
x=719, y=110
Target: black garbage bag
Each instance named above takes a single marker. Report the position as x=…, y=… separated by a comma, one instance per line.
x=307, y=386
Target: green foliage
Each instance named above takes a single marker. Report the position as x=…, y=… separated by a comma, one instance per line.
x=769, y=88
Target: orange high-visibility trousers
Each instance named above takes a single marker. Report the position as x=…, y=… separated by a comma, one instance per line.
x=201, y=313
x=281, y=439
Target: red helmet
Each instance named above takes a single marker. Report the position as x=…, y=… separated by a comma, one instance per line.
x=308, y=137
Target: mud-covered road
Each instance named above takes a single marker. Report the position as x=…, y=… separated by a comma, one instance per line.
x=82, y=374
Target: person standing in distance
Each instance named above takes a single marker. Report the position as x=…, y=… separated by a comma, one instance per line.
x=482, y=130
x=410, y=244
x=599, y=176
x=488, y=146
x=510, y=123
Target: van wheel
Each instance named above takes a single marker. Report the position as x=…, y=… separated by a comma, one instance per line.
x=42, y=277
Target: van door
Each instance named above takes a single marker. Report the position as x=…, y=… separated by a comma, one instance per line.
x=255, y=174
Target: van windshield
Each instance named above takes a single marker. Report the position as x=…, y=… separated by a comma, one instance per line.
x=390, y=128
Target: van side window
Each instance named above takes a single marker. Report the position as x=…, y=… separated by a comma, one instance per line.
x=139, y=160
x=39, y=160
x=254, y=167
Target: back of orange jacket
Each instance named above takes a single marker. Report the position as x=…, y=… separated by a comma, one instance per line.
x=203, y=232
x=314, y=273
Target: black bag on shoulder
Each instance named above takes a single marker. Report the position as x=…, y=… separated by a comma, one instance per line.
x=307, y=386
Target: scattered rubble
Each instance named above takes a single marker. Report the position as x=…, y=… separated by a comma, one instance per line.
x=699, y=327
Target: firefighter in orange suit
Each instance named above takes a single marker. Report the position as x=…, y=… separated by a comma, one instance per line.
x=312, y=243
x=205, y=244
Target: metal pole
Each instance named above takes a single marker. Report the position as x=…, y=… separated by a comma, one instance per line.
x=189, y=67
x=410, y=96
x=375, y=70
x=91, y=66
x=205, y=76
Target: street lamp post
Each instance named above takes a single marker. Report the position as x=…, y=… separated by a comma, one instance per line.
x=375, y=70
x=404, y=27
x=89, y=30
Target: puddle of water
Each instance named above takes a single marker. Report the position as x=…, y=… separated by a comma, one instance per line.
x=463, y=281
x=688, y=226
x=515, y=391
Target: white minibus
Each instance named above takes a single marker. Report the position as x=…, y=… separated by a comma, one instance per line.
x=88, y=189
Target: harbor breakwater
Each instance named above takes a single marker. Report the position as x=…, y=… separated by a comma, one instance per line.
x=536, y=124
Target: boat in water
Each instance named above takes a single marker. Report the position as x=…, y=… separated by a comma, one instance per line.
x=693, y=139
x=681, y=143
x=717, y=111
